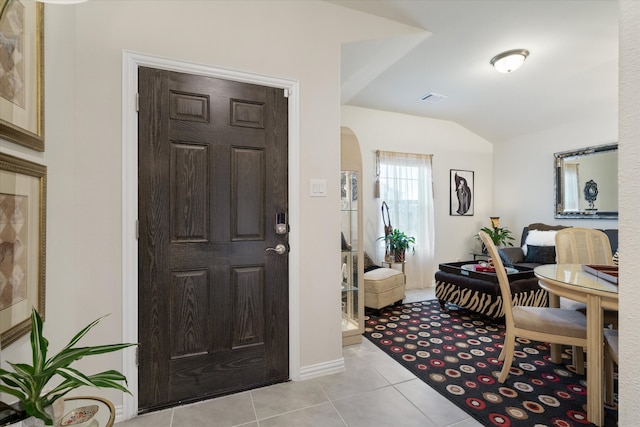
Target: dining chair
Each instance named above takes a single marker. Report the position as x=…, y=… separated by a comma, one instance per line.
x=576, y=245
x=610, y=358
x=546, y=324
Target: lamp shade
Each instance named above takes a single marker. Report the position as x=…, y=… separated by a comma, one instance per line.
x=510, y=60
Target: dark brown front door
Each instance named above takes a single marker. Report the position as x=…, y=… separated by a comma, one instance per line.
x=213, y=302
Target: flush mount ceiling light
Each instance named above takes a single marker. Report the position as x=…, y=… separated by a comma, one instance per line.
x=62, y=1
x=510, y=60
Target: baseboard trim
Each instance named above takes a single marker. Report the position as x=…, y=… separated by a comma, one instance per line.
x=321, y=369
x=119, y=415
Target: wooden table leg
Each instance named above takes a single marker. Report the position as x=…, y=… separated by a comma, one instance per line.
x=556, y=349
x=595, y=368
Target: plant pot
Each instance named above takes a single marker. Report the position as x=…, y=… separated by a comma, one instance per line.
x=400, y=256
x=55, y=411
x=29, y=422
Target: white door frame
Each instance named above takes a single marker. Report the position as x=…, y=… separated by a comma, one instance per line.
x=131, y=61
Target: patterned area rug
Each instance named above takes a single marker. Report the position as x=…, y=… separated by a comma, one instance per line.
x=456, y=351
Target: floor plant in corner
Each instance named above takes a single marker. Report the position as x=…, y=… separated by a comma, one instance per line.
x=30, y=384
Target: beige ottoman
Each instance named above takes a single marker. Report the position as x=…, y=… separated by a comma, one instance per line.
x=383, y=287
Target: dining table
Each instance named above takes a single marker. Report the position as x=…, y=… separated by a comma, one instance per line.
x=598, y=292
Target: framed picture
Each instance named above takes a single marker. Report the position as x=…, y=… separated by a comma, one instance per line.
x=22, y=73
x=23, y=187
x=461, y=193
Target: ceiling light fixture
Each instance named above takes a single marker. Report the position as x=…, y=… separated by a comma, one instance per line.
x=510, y=60
x=62, y=1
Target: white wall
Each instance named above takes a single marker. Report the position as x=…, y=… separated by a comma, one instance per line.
x=84, y=44
x=453, y=147
x=629, y=161
x=524, y=171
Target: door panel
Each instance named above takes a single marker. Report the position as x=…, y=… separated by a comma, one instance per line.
x=189, y=195
x=213, y=303
x=247, y=197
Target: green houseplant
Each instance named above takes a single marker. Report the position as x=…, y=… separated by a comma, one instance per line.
x=398, y=243
x=28, y=382
x=500, y=236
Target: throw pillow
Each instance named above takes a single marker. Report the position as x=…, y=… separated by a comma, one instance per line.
x=540, y=254
x=511, y=256
x=539, y=238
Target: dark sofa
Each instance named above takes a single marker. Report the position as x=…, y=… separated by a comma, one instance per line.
x=514, y=256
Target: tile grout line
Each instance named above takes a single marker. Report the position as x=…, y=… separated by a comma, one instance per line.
x=331, y=402
x=253, y=405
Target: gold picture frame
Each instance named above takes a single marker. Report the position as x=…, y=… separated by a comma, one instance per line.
x=23, y=195
x=22, y=73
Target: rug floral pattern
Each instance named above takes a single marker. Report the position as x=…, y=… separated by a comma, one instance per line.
x=456, y=352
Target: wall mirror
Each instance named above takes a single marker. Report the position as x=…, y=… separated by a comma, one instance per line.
x=587, y=182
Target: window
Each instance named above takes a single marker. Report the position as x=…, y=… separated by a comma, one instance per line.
x=406, y=186
x=571, y=188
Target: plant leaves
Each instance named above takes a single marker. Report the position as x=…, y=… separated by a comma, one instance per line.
x=69, y=355
x=39, y=344
x=27, y=382
x=83, y=332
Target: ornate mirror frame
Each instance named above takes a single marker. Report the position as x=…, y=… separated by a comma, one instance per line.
x=586, y=183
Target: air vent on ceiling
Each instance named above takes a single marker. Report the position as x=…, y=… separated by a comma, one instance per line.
x=433, y=98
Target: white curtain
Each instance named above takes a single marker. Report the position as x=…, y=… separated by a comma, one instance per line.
x=571, y=188
x=406, y=185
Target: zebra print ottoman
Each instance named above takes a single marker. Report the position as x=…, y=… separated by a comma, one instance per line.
x=483, y=296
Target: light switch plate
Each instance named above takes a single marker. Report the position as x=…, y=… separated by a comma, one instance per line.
x=318, y=188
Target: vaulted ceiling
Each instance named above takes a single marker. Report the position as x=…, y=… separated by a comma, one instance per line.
x=571, y=73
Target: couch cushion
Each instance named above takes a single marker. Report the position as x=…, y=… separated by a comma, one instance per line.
x=612, y=234
x=511, y=255
x=538, y=226
x=383, y=279
x=539, y=238
x=540, y=254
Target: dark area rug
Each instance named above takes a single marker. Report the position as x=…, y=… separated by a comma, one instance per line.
x=455, y=351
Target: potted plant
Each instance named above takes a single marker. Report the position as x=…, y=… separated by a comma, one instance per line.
x=398, y=243
x=28, y=383
x=500, y=236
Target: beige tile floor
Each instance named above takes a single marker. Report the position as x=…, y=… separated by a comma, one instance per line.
x=373, y=391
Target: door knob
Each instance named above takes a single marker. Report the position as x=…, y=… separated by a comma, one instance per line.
x=279, y=249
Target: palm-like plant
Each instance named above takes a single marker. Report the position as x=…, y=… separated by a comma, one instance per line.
x=27, y=382
x=500, y=236
x=398, y=243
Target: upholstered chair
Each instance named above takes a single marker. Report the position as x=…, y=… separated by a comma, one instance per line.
x=546, y=324
x=610, y=357
x=577, y=245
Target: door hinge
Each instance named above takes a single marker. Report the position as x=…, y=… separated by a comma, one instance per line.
x=137, y=229
x=137, y=102
x=137, y=356
x=287, y=93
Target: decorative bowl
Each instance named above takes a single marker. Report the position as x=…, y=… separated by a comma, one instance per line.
x=79, y=415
